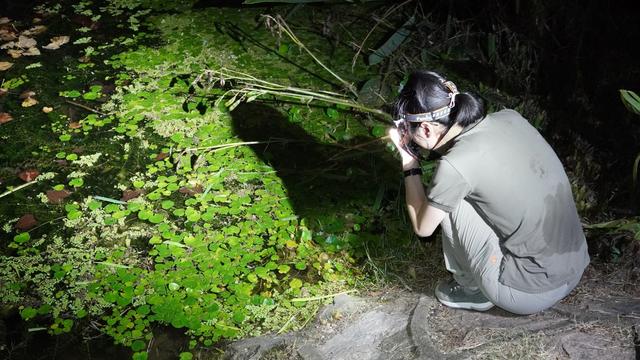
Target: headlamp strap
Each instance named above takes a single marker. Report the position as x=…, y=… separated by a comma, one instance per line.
x=438, y=113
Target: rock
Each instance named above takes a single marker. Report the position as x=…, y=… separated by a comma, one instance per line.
x=583, y=346
x=343, y=304
x=421, y=330
x=254, y=348
x=361, y=340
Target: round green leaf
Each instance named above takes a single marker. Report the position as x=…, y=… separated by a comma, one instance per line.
x=331, y=113
x=77, y=182
x=295, y=284
x=156, y=218
x=173, y=286
x=28, y=313
x=138, y=345
x=378, y=131
x=74, y=214
x=94, y=204
x=167, y=204
x=144, y=214
x=186, y=356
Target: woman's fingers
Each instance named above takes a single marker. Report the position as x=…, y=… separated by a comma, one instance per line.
x=394, y=135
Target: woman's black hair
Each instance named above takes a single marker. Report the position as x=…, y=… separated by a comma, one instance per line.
x=425, y=92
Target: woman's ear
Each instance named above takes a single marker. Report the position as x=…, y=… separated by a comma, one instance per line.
x=424, y=128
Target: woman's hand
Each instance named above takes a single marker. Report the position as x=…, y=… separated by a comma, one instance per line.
x=408, y=161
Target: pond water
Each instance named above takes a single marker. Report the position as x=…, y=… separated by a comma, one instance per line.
x=135, y=208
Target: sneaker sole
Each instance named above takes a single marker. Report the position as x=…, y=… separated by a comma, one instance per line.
x=467, y=306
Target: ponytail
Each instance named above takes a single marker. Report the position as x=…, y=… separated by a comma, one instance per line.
x=468, y=109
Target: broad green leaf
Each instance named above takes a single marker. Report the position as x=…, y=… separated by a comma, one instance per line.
x=392, y=43
x=631, y=100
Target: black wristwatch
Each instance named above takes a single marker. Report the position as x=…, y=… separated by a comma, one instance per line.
x=411, y=172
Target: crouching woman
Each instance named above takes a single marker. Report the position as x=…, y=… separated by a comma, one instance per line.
x=511, y=234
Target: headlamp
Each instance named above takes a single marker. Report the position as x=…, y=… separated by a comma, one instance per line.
x=436, y=114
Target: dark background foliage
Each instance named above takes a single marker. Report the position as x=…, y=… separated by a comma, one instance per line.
x=587, y=51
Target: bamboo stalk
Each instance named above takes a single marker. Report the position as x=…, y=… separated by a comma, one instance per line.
x=18, y=188
x=257, y=87
x=322, y=297
x=230, y=145
x=310, y=96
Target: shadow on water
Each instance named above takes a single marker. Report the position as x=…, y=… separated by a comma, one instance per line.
x=317, y=176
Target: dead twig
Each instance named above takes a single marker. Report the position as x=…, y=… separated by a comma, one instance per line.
x=86, y=107
x=357, y=147
x=283, y=27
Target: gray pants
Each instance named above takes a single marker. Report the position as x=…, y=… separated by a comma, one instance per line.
x=472, y=253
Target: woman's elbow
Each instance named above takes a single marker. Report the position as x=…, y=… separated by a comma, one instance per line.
x=423, y=231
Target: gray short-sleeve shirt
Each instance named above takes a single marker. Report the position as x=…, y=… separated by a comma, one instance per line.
x=506, y=170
